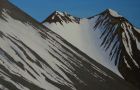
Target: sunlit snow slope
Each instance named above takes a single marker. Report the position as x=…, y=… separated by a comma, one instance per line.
x=108, y=38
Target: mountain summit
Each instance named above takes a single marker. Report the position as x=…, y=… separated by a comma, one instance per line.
x=60, y=17
x=113, y=13
x=109, y=38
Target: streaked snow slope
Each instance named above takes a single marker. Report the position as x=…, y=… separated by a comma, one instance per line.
x=33, y=57
x=108, y=38
x=83, y=37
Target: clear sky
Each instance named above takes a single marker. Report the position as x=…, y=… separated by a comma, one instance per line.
x=40, y=9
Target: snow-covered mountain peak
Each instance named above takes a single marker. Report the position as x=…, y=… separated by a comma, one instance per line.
x=110, y=13
x=59, y=13
x=61, y=17
x=113, y=13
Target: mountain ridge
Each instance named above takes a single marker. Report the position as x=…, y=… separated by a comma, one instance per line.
x=108, y=11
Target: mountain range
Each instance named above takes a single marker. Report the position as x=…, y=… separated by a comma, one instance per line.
x=66, y=52
x=108, y=37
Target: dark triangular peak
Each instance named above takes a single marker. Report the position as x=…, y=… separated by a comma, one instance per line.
x=61, y=17
x=111, y=17
x=110, y=13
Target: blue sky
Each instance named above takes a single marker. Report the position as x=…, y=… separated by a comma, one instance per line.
x=40, y=9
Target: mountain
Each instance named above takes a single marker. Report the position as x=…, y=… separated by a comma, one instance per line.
x=60, y=17
x=108, y=38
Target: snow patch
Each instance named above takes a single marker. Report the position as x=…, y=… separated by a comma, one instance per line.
x=114, y=13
